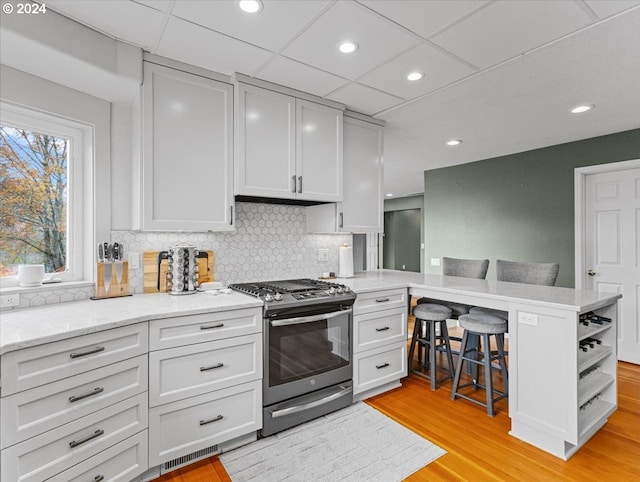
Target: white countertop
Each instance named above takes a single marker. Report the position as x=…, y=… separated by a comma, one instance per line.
x=552, y=296
x=36, y=326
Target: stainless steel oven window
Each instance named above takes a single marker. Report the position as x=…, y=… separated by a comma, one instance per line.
x=307, y=346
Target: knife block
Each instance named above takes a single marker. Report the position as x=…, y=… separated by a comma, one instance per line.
x=109, y=282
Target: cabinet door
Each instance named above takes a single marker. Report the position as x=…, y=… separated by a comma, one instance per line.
x=187, y=180
x=265, y=143
x=318, y=152
x=362, y=206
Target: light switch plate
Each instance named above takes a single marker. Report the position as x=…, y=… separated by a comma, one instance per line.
x=134, y=260
x=323, y=254
x=435, y=261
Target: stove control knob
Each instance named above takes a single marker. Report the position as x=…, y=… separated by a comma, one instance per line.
x=332, y=291
x=340, y=290
x=277, y=297
x=268, y=297
x=347, y=289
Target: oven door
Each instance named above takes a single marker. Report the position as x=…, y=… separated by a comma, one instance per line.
x=306, y=352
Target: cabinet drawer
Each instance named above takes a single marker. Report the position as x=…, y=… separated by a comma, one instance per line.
x=186, y=371
x=379, y=328
x=381, y=300
x=32, y=412
x=34, y=366
x=377, y=367
x=186, y=330
x=120, y=463
x=183, y=427
x=50, y=453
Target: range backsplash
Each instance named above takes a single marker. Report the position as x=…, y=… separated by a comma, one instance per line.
x=270, y=242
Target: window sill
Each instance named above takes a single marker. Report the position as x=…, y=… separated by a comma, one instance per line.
x=45, y=286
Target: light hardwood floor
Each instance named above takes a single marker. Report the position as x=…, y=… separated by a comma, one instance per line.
x=479, y=447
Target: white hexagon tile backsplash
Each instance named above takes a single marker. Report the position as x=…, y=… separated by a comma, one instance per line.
x=270, y=242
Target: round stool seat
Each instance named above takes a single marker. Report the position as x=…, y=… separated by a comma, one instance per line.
x=481, y=323
x=478, y=310
x=432, y=312
x=457, y=309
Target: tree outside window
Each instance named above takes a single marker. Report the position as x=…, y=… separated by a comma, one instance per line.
x=33, y=196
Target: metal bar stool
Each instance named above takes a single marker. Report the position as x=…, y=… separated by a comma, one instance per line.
x=483, y=326
x=427, y=316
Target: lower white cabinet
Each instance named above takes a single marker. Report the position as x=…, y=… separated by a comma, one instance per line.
x=205, y=383
x=120, y=463
x=379, y=341
x=189, y=425
x=51, y=452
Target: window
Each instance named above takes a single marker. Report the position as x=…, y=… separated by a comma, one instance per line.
x=41, y=193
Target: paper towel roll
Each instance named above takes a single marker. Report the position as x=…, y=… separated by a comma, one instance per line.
x=346, y=262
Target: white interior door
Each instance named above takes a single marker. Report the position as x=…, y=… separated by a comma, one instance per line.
x=611, y=248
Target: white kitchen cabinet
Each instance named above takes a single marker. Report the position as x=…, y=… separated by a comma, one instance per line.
x=68, y=401
x=362, y=208
x=187, y=152
x=205, y=384
x=286, y=147
x=379, y=341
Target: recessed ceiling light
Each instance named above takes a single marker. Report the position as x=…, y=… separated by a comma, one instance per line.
x=413, y=76
x=454, y=142
x=580, y=109
x=250, y=6
x=347, y=47
x=389, y=194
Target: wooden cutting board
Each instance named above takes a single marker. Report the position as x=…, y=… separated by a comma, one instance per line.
x=150, y=266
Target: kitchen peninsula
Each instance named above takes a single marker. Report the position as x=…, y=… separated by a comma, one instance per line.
x=559, y=395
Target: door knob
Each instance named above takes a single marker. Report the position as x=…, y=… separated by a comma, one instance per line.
x=591, y=272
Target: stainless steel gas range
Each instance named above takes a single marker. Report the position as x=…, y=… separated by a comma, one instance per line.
x=307, y=349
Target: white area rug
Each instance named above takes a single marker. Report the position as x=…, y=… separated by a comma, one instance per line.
x=357, y=443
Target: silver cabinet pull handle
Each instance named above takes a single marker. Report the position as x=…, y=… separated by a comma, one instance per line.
x=97, y=349
x=231, y=215
x=293, y=184
x=341, y=220
x=384, y=328
x=309, y=319
x=382, y=300
x=73, y=444
x=300, y=184
x=384, y=365
x=212, y=367
x=95, y=391
x=211, y=327
x=211, y=420
x=98, y=478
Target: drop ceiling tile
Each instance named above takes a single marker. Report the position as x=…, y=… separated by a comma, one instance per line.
x=190, y=43
x=272, y=28
x=293, y=74
x=162, y=5
x=363, y=99
x=439, y=68
x=606, y=8
x=378, y=39
x=423, y=18
x=122, y=19
x=505, y=29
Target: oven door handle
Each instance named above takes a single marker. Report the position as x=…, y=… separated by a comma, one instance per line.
x=309, y=319
x=316, y=403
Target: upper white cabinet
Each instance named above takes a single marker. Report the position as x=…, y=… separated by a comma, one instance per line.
x=286, y=147
x=187, y=152
x=362, y=209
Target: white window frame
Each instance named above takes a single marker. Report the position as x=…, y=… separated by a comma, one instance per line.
x=80, y=187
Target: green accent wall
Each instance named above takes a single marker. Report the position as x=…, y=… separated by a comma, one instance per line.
x=518, y=207
x=397, y=229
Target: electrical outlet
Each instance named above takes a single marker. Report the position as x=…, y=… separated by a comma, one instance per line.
x=134, y=260
x=323, y=254
x=8, y=301
x=528, y=318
